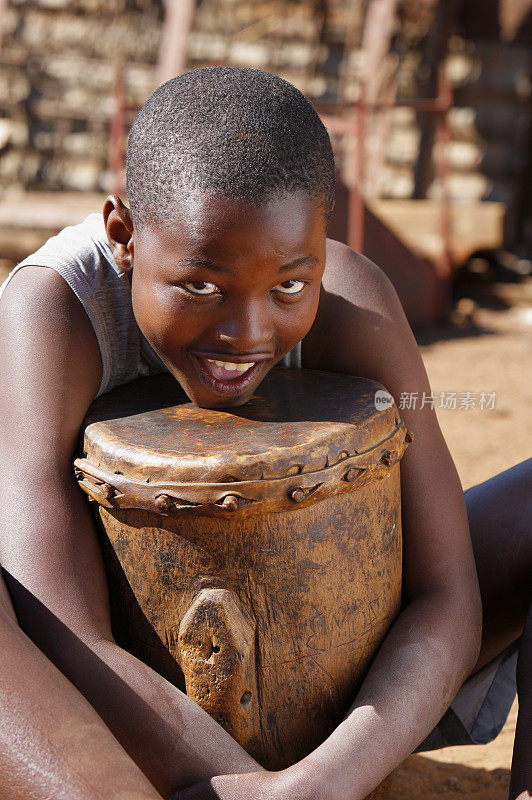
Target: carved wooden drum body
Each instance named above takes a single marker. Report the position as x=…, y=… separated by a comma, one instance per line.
x=253, y=554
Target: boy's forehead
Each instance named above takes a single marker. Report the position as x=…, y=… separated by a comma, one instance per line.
x=284, y=221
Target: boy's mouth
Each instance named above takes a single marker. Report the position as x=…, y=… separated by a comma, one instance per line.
x=226, y=377
x=226, y=370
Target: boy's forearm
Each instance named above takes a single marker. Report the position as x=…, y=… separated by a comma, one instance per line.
x=64, y=612
x=427, y=654
x=173, y=741
x=170, y=737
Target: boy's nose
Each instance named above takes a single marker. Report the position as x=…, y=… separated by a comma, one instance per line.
x=247, y=329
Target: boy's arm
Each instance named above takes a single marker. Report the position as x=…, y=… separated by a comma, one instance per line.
x=50, y=366
x=433, y=645
x=52, y=743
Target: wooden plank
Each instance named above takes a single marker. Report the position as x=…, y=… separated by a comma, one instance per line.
x=28, y=219
x=474, y=226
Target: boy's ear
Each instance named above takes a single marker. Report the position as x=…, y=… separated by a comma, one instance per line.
x=119, y=229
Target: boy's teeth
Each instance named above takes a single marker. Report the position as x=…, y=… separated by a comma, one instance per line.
x=230, y=366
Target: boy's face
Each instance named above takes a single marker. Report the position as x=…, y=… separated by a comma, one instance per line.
x=226, y=289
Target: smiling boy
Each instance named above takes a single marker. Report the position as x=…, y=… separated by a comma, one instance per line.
x=215, y=275
x=221, y=269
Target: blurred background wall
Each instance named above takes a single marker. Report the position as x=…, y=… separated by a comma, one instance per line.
x=428, y=103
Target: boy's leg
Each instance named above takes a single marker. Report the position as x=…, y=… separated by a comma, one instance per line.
x=521, y=780
x=500, y=517
x=52, y=742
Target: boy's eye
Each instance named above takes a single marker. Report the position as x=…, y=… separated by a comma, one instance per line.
x=201, y=287
x=291, y=286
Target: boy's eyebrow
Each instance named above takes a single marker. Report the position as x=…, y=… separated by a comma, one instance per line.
x=196, y=261
x=304, y=261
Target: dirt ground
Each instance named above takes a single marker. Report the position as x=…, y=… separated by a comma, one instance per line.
x=494, y=355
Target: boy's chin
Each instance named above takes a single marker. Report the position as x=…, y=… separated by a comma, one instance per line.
x=219, y=402
x=235, y=403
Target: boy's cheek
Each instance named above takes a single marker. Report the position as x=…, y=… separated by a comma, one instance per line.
x=158, y=318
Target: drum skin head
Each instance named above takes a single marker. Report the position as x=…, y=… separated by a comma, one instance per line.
x=298, y=421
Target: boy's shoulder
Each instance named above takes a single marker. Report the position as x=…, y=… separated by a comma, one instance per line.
x=350, y=274
x=359, y=313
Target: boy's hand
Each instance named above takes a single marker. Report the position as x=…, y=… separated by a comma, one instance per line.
x=284, y=785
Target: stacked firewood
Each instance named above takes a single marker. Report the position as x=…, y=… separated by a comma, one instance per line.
x=58, y=69
x=66, y=64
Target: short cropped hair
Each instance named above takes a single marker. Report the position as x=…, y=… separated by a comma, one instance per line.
x=239, y=132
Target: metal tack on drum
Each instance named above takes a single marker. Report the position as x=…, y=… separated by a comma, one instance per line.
x=386, y=458
x=230, y=503
x=351, y=475
x=163, y=503
x=297, y=495
x=107, y=490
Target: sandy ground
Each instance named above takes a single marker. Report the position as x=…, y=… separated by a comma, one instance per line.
x=494, y=356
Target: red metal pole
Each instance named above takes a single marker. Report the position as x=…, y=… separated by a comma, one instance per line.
x=178, y=21
x=355, y=208
x=3, y=6
x=444, y=169
x=376, y=38
x=443, y=264
x=117, y=133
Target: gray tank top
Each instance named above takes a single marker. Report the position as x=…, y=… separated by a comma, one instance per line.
x=82, y=256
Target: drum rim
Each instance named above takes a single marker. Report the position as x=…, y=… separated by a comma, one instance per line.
x=114, y=490
x=329, y=441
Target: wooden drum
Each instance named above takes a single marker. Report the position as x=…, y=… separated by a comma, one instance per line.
x=253, y=554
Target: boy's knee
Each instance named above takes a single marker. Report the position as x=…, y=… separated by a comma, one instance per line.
x=524, y=661
x=500, y=510
x=504, y=496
